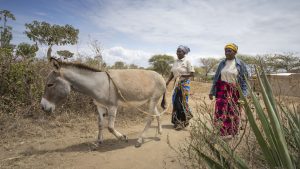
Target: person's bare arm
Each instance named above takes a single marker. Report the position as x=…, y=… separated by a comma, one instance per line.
x=170, y=78
x=187, y=76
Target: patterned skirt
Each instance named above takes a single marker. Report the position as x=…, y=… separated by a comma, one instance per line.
x=181, y=113
x=227, y=109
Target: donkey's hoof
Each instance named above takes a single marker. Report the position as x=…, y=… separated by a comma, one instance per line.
x=94, y=146
x=124, y=138
x=138, y=144
x=99, y=142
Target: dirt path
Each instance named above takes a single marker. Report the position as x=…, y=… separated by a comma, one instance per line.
x=71, y=144
x=75, y=150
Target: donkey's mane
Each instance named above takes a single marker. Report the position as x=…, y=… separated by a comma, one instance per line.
x=80, y=66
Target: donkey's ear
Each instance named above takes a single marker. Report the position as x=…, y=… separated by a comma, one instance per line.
x=55, y=63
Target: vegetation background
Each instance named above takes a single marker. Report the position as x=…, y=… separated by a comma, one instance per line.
x=23, y=73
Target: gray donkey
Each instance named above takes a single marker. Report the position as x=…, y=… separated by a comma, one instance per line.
x=108, y=89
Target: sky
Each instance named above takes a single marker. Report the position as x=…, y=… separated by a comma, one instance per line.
x=134, y=30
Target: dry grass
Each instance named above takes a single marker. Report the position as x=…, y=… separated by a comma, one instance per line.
x=16, y=130
x=244, y=144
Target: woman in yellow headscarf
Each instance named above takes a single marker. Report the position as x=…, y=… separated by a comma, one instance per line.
x=231, y=72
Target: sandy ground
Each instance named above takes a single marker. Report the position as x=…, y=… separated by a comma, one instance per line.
x=68, y=141
x=72, y=150
x=71, y=145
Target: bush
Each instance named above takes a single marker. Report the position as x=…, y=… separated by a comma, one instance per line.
x=22, y=84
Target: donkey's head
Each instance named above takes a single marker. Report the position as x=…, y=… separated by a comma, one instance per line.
x=56, y=88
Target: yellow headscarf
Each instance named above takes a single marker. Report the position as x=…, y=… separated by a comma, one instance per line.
x=232, y=46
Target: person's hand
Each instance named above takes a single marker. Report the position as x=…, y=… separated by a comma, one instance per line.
x=211, y=97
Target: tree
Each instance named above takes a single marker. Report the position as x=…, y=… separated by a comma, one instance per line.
x=133, y=66
x=65, y=54
x=5, y=31
x=199, y=74
x=272, y=63
x=119, y=65
x=161, y=63
x=265, y=62
x=97, y=50
x=209, y=64
x=287, y=62
x=46, y=34
x=93, y=62
x=26, y=51
x=250, y=61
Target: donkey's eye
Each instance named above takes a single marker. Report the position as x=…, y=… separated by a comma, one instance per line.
x=50, y=85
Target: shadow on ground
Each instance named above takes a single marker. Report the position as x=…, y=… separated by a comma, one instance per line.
x=106, y=146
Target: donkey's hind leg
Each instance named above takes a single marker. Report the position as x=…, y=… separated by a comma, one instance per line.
x=152, y=105
x=101, y=111
x=142, y=136
x=112, y=112
x=159, y=128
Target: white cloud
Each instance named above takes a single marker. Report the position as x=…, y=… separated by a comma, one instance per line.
x=133, y=30
x=110, y=55
x=129, y=56
x=139, y=57
x=258, y=26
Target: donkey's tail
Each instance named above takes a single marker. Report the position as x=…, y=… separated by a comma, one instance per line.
x=163, y=102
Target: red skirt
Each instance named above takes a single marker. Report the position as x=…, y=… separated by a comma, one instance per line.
x=227, y=109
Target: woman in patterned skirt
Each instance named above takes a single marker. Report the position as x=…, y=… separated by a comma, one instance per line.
x=231, y=72
x=182, y=70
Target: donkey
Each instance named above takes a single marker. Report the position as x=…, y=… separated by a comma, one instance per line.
x=108, y=90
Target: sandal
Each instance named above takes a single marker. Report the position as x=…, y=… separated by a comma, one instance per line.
x=178, y=127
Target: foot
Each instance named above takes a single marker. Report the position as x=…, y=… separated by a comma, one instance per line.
x=175, y=126
x=178, y=127
x=186, y=124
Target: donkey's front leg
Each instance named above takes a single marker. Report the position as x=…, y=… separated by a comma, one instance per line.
x=101, y=111
x=112, y=112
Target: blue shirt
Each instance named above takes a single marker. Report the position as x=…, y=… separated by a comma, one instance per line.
x=242, y=72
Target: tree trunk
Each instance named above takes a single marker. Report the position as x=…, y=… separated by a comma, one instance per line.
x=49, y=53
